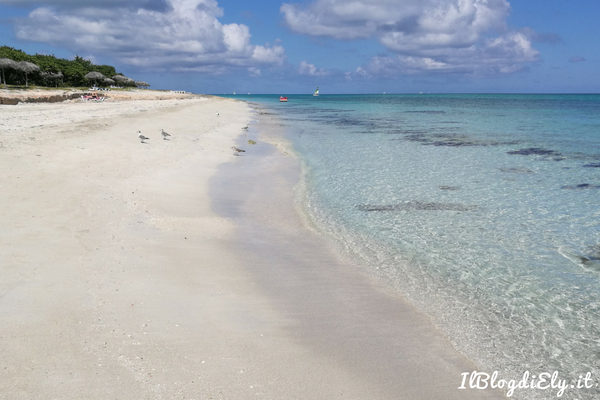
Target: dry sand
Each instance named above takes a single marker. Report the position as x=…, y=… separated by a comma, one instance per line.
x=173, y=270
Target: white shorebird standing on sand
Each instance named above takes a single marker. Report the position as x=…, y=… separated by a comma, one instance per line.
x=217, y=113
x=142, y=137
x=237, y=151
x=165, y=134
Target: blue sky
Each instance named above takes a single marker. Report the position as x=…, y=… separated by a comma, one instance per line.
x=342, y=46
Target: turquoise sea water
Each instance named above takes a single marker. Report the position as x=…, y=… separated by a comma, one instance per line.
x=482, y=209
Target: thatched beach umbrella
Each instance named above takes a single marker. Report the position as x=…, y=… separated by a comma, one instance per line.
x=108, y=81
x=57, y=77
x=123, y=80
x=94, y=76
x=28, y=68
x=51, y=75
x=46, y=75
x=6, y=63
x=142, y=84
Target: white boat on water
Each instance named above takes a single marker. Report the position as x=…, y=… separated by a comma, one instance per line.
x=316, y=93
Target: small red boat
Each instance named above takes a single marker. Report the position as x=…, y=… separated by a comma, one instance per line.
x=283, y=98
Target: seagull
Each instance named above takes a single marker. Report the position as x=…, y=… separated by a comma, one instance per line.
x=238, y=150
x=246, y=127
x=142, y=137
x=165, y=134
x=217, y=113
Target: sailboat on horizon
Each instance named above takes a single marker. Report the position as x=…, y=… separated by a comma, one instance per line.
x=316, y=93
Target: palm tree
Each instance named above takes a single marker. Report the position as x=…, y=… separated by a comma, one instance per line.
x=28, y=68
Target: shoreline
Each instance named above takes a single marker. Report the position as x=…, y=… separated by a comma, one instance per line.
x=344, y=315
x=173, y=269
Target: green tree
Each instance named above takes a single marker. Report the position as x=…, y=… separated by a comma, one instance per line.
x=73, y=71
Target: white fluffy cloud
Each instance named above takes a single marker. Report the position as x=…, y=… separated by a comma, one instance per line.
x=502, y=55
x=429, y=22
x=310, y=70
x=426, y=35
x=181, y=35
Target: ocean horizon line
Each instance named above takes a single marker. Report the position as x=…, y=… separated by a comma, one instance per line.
x=406, y=93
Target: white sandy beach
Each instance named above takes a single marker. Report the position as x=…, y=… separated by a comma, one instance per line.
x=174, y=270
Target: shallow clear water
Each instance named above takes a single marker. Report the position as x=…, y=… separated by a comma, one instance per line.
x=483, y=209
